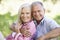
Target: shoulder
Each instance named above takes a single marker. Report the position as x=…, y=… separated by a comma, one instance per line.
x=49, y=20
x=51, y=23
x=32, y=23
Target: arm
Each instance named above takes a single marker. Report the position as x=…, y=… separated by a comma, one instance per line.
x=51, y=34
x=54, y=30
x=31, y=28
x=15, y=27
x=25, y=32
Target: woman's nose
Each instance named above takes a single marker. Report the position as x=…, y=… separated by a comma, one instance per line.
x=37, y=13
x=24, y=15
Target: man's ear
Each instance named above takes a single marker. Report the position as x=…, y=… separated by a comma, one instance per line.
x=44, y=10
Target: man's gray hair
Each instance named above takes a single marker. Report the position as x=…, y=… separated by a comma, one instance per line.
x=37, y=2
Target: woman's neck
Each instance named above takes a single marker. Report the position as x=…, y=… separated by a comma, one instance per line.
x=27, y=22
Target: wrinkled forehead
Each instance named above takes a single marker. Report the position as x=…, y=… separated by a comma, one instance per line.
x=37, y=5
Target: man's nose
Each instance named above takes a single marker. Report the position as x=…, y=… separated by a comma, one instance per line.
x=37, y=13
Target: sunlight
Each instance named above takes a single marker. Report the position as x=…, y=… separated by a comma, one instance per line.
x=13, y=6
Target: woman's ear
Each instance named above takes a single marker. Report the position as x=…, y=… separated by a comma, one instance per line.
x=44, y=11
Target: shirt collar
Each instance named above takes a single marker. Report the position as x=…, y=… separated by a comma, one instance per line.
x=41, y=22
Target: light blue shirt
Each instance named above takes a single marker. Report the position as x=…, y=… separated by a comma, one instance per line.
x=45, y=26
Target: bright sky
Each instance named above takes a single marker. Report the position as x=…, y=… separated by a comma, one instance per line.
x=13, y=6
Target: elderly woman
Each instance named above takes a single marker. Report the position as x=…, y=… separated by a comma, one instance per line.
x=24, y=22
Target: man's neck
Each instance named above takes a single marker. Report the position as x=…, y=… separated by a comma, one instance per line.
x=38, y=21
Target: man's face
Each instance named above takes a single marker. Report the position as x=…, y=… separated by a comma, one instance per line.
x=38, y=12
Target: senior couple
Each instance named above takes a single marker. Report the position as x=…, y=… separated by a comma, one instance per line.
x=32, y=24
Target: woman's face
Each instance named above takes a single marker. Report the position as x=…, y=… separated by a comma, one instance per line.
x=25, y=14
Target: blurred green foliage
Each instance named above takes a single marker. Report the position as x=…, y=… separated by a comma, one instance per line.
x=5, y=21
x=57, y=19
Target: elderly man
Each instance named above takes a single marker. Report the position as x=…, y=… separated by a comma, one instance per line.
x=46, y=28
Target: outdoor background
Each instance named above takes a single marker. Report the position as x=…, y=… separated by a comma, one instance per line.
x=9, y=11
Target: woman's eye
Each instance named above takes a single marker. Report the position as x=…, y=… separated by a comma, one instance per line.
x=39, y=11
x=22, y=13
x=27, y=13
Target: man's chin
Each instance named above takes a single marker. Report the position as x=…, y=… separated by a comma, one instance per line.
x=38, y=19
